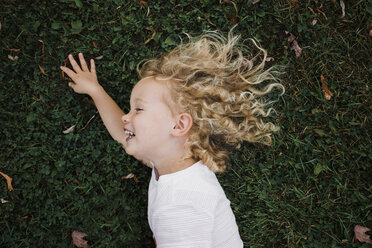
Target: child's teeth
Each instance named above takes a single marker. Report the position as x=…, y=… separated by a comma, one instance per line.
x=129, y=133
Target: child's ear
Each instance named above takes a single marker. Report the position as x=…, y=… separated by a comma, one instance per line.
x=183, y=124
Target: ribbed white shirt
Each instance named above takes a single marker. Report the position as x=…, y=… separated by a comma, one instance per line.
x=189, y=209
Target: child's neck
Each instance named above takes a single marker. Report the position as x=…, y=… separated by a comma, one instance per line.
x=169, y=165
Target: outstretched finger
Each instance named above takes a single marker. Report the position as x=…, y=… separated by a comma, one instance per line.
x=69, y=72
x=92, y=66
x=74, y=63
x=83, y=63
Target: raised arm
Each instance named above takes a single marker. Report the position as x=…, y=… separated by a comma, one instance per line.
x=85, y=82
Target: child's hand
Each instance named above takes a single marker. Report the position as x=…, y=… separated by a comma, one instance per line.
x=84, y=81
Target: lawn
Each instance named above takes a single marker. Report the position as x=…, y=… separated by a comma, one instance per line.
x=310, y=189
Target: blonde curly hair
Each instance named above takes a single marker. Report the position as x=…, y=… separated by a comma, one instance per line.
x=222, y=90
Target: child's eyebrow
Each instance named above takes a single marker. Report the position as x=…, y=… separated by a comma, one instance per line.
x=139, y=100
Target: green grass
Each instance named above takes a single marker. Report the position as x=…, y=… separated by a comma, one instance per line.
x=309, y=190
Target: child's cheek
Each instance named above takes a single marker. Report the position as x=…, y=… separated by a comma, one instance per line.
x=140, y=125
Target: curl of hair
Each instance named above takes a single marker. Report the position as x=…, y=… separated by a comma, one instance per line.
x=223, y=91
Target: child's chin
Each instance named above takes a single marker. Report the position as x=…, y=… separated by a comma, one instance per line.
x=128, y=150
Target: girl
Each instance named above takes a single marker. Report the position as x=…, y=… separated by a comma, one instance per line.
x=190, y=107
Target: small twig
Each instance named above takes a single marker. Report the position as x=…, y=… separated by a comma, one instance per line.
x=91, y=118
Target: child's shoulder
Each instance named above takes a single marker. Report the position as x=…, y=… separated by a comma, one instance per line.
x=199, y=179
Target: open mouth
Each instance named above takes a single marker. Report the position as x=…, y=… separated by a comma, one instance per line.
x=130, y=134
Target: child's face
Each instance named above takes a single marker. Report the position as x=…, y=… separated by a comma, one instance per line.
x=149, y=123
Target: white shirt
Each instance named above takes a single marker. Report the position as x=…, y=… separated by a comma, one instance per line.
x=189, y=209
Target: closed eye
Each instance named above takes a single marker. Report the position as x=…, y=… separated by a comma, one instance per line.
x=138, y=109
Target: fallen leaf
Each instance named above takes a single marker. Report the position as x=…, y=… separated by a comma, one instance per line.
x=69, y=130
x=269, y=59
x=78, y=239
x=369, y=29
x=321, y=12
x=42, y=47
x=14, y=58
x=293, y=44
x=117, y=10
x=234, y=19
x=131, y=175
x=143, y=3
x=314, y=21
x=342, y=4
x=12, y=49
x=8, y=181
x=99, y=57
x=42, y=71
x=344, y=241
x=152, y=36
x=294, y=1
x=3, y=201
x=360, y=234
x=94, y=44
x=312, y=11
x=327, y=93
x=23, y=218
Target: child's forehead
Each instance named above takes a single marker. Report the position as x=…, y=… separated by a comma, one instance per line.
x=149, y=89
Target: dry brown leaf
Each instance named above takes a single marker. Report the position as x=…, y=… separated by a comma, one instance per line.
x=23, y=218
x=78, y=239
x=360, y=234
x=131, y=175
x=42, y=71
x=327, y=93
x=321, y=12
x=312, y=11
x=42, y=47
x=369, y=29
x=12, y=49
x=293, y=44
x=234, y=19
x=8, y=181
x=152, y=36
x=143, y=3
x=13, y=58
x=94, y=44
x=294, y=1
x=99, y=57
x=314, y=22
x=63, y=74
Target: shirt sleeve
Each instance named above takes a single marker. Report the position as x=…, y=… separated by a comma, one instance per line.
x=182, y=226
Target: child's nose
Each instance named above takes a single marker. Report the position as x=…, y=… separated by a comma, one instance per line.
x=125, y=118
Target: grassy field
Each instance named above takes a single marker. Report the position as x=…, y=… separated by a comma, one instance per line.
x=309, y=190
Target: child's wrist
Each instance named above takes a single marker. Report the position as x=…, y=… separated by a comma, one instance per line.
x=96, y=91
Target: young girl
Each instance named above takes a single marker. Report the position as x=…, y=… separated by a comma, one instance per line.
x=190, y=107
